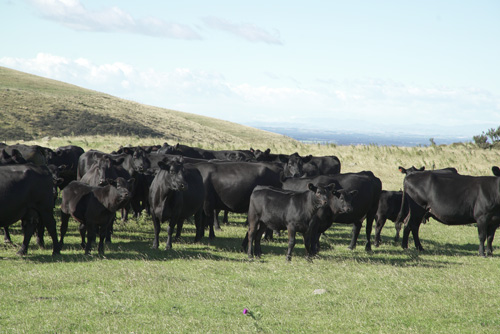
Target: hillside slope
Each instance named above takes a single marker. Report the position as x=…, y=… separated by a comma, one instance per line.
x=33, y=107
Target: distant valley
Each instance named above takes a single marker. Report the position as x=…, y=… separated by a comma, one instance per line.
x=353, y=138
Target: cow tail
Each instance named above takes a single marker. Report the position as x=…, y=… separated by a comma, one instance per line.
x=401, y=215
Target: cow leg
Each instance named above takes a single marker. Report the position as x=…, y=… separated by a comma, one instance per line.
x=379, y=225
x=48, y=221
x=170, y=229
x=225, y=220
x=310, y=236
x=315, y=243
x=28, y=230
x=211, y=233
x=216, y=220
x=109, y=230
x=6, y=235
x=490, y=237
x=82, y=228
x=269, y=235
x=91, y=234
x=369, y=225
x=356, y=228
x=258, y=238
x=64, y=227
x=406, y=232
x=180, y=225
x=244, y=244
x=291, y=243
x=157, y=228
x=252, y=231
x=102, y=235
x=40, y=229
x=416, y=239
x=397, y=226
x=198, y=221
x=482, y=231
x=124, y=213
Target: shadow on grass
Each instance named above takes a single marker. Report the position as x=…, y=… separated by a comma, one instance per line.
x=132, y=241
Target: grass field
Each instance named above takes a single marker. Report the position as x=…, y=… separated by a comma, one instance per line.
x=204, y=287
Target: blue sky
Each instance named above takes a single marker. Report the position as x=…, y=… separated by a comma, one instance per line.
x=426, y=67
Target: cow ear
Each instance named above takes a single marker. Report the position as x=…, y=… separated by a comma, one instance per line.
x=267, y=151
x=177, y=146
x=331, y=187
x=61, y=168
x=353, y=193
x=127, y=150
x=495, y=170
x=16, y=153
x=422, y=168
x=306, y=159
x=402, y=170
x=131, y=182
x=311, y=187
x=252, y=150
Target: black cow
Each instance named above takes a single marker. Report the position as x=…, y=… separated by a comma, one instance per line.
x=228, y=186
x=102, y=170
x=14, y=158
x=94, y=208
x=26, y=194
x=32, y=153
x=136, y=162
x=364, y=204
x=389, y=206
x=327, y=165
x=452, y=199
x=176, y=194
x=200, y=153
x=279, y=209
x=66, y=156
x=413, y=169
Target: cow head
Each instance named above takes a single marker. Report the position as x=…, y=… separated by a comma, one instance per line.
x=320, y=195
x=140, y=161
x=411, y=170
x=294, y=166
x=124, y=189
x=261, y=155
x=174, y=173
x=104, y=168
x=340, y=201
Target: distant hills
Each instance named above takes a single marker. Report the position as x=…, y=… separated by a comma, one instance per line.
x=33, y=107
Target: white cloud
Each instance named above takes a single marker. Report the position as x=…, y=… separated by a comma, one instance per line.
x=74, y=15
x=247, y=31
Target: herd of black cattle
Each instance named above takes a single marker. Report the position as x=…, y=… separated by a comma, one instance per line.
x=278, y=192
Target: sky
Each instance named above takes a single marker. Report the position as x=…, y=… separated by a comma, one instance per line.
x=412, y=67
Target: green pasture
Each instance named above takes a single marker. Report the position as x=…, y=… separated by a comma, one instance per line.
x=204, y=287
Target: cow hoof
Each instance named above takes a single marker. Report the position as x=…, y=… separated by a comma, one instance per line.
x=21, y=253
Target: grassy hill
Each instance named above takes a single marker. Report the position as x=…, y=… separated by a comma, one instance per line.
x=33, y=107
